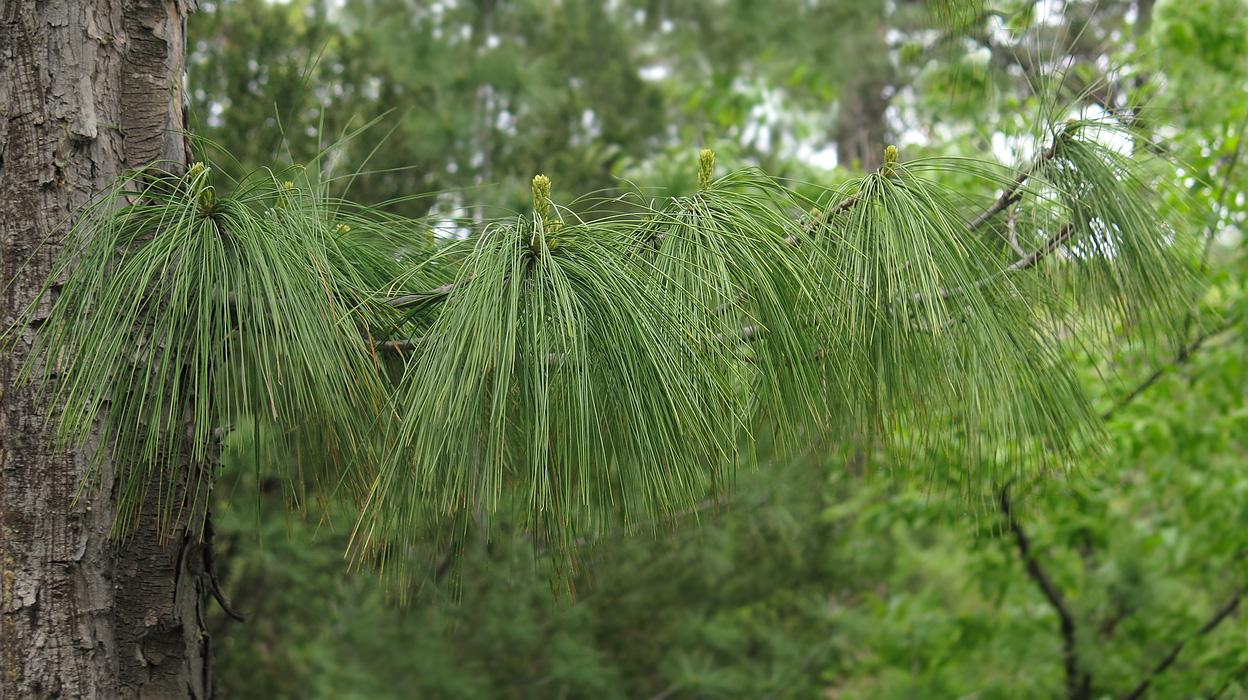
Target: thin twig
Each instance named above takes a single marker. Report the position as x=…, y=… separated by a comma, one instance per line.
x=398, y=345
x=425, y=297
x=819, y=221
x=1012, y=193
x=1220, y=199
x=1221, y=614
x=1050, y=246
x=1027, y=261
x=1011, y=233
x=1077, y=684
x=210, y=567
x=1183, y=355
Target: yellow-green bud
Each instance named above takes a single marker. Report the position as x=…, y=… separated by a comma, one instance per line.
x=198, y=179
x=285, y=196
x=541, y=198
x=706, y=168
x=891, y=154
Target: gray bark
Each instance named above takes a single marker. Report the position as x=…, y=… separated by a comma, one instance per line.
x=88, y=88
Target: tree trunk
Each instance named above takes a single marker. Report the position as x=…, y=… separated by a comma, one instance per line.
x=88, y=88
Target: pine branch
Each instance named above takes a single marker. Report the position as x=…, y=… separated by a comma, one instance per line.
x=822, y=220
x=1078, y=685
x=1028, y=261
x=1036, y=256
x=1218, y=617
x=1008, y=197
x=749, y=333
x=1012, y=193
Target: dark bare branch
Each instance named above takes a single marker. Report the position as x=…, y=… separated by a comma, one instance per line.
x=1013, y=192
x=1078, y=683
x=1028, y=261
x=822, y=219
x=1180, y=358
x=1036, y=256
x=210, y=568
x=1218, y=617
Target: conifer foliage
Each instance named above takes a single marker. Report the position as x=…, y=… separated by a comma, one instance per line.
x=602, y=370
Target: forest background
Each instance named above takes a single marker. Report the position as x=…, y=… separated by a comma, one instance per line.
x=856, y=570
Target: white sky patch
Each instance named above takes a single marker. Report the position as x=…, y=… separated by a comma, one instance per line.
x=1230, y=236
x=775, y=126
x=1010, y=150
x=655, y=72
x=215, y=110
x=506, y=122
x=827, y=157
x=589, y=122
x=981, y=57
x=765, y=114
x=1001, y=35
x=1050, y=12
x=448, y=213
x=1113, y=138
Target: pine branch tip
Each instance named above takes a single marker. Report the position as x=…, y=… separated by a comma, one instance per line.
x=891, y=154
x=706, y=168
x=541, y=198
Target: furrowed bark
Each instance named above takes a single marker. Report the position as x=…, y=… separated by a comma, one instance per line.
x=88, y=88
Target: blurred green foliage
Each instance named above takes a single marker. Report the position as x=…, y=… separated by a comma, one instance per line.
x=466, y=94
x=849, y=573
x=838, y=574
